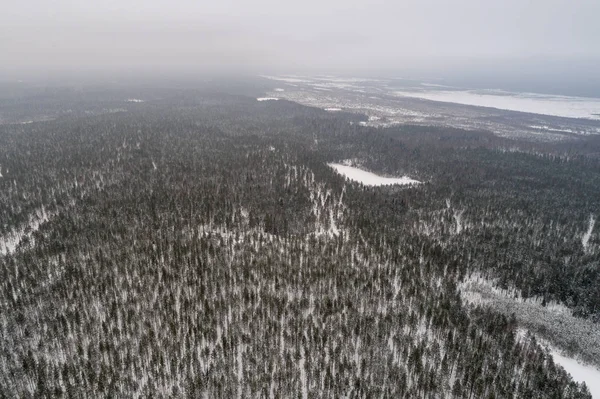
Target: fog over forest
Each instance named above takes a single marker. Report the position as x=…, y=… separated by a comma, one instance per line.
x=467, y=41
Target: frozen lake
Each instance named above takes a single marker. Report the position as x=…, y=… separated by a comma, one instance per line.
x=543, y=104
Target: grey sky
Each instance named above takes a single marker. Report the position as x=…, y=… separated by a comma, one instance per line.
x=260, y=34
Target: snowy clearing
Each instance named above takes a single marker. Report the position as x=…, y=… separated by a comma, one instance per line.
x=267, y=99
x=368, y=178
x=568, y=107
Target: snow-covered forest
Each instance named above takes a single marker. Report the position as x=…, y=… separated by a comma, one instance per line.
x=191, y=243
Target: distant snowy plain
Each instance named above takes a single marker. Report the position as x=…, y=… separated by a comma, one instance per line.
x=389, y=102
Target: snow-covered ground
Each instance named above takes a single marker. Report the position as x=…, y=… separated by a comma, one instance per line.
x=267, y=99
x=568, y=107
x=368, y=178
x=580, y=372
x=333, y=109
x=134, y=100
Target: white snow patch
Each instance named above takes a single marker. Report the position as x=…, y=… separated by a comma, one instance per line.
x=134, y=100
x=303, y=379
x=458, y=218
x=368, y=178
x=434, y=85
x=480, y=290
x=267, y=99
x=279, y=89
x=333, y=229
x=10, y=242
x=552, y=129
x=333, y=109
x=287, y=79
x=585, y=240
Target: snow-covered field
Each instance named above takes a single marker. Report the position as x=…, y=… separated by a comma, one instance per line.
x=267, y=99
x=368, y=178
x=134, y=100
x=568, y=107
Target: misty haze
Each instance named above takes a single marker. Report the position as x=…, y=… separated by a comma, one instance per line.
x=317, y=199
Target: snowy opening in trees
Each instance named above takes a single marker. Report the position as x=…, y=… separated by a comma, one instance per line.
x=368, y=178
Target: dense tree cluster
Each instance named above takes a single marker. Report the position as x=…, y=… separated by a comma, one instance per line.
x=198, y=244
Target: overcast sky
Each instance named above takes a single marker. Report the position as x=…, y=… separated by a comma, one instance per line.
x=301, y=34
